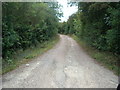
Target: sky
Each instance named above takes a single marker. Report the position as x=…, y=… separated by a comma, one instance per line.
x=67, y=10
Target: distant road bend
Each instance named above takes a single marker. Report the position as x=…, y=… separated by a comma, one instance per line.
x=64, y=66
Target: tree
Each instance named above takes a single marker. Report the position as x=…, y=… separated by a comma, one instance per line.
x=27, y=24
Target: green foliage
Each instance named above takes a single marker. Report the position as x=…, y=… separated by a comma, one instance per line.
x=27, y=24
x=22, y=57
x=107, y=59
x=98, y=24
x=62, y=28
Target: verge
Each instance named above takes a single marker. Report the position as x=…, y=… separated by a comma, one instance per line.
x=104, y=58
x=22, y=57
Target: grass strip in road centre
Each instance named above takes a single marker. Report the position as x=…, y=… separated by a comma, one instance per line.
x=22, y=57
x=106, y=59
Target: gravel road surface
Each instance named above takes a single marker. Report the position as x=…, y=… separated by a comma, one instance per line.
x=65, y=66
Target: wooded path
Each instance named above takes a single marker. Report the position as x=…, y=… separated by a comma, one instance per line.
x=66, y=65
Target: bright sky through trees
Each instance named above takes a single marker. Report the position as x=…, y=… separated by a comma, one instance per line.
x=67, y=10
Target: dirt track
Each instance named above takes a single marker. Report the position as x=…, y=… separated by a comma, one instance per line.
x=64, y=66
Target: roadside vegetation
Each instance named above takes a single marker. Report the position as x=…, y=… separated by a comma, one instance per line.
x=104, y=58
x=97, y=26
x=22, y=57
x=28, y=29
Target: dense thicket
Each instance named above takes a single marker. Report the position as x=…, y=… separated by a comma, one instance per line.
x=62, y=28
x=98, y=24
x=27, y=24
